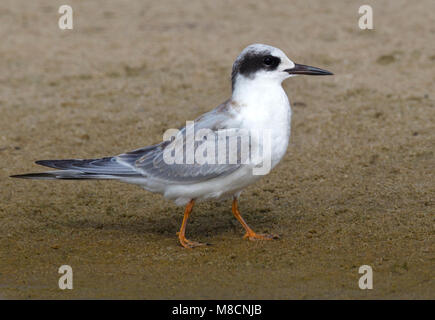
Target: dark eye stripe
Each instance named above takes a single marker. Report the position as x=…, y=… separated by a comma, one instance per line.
x=252, y=62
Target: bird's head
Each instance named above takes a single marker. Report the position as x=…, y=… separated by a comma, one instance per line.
x=263, y=63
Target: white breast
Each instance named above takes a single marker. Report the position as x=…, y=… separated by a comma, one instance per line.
x=268, y=109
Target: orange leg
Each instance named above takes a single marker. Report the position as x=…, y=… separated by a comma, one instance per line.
x=250, y=234
x=181, y=235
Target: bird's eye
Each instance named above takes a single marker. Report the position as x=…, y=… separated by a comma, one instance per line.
x=268, y=60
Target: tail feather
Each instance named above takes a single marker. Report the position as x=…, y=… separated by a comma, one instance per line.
x=107, y=165
x=79, y=169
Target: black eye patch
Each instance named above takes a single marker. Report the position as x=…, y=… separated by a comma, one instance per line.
x=253, y=62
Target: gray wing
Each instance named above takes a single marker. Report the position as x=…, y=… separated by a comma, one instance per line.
x=151, y=163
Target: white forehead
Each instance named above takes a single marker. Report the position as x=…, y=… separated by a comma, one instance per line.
x=258, y=47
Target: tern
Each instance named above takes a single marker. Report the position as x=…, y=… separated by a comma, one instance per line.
x=258, y=102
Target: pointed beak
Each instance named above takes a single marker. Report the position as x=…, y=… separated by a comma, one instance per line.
x=312, y=71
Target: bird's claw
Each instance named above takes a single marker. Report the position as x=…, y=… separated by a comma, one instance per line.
x=188, y=244
x=260, y=236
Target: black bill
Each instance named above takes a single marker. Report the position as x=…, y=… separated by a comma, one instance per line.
x=312, y=71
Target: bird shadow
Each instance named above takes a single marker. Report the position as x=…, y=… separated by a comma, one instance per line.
x=207, y=220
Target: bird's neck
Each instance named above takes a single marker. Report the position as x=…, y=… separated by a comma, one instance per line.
x=258, y=91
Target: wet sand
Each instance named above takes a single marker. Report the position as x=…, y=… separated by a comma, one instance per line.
x=356, y=186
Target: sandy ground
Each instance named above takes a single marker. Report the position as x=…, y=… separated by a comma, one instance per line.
x=356, y=187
